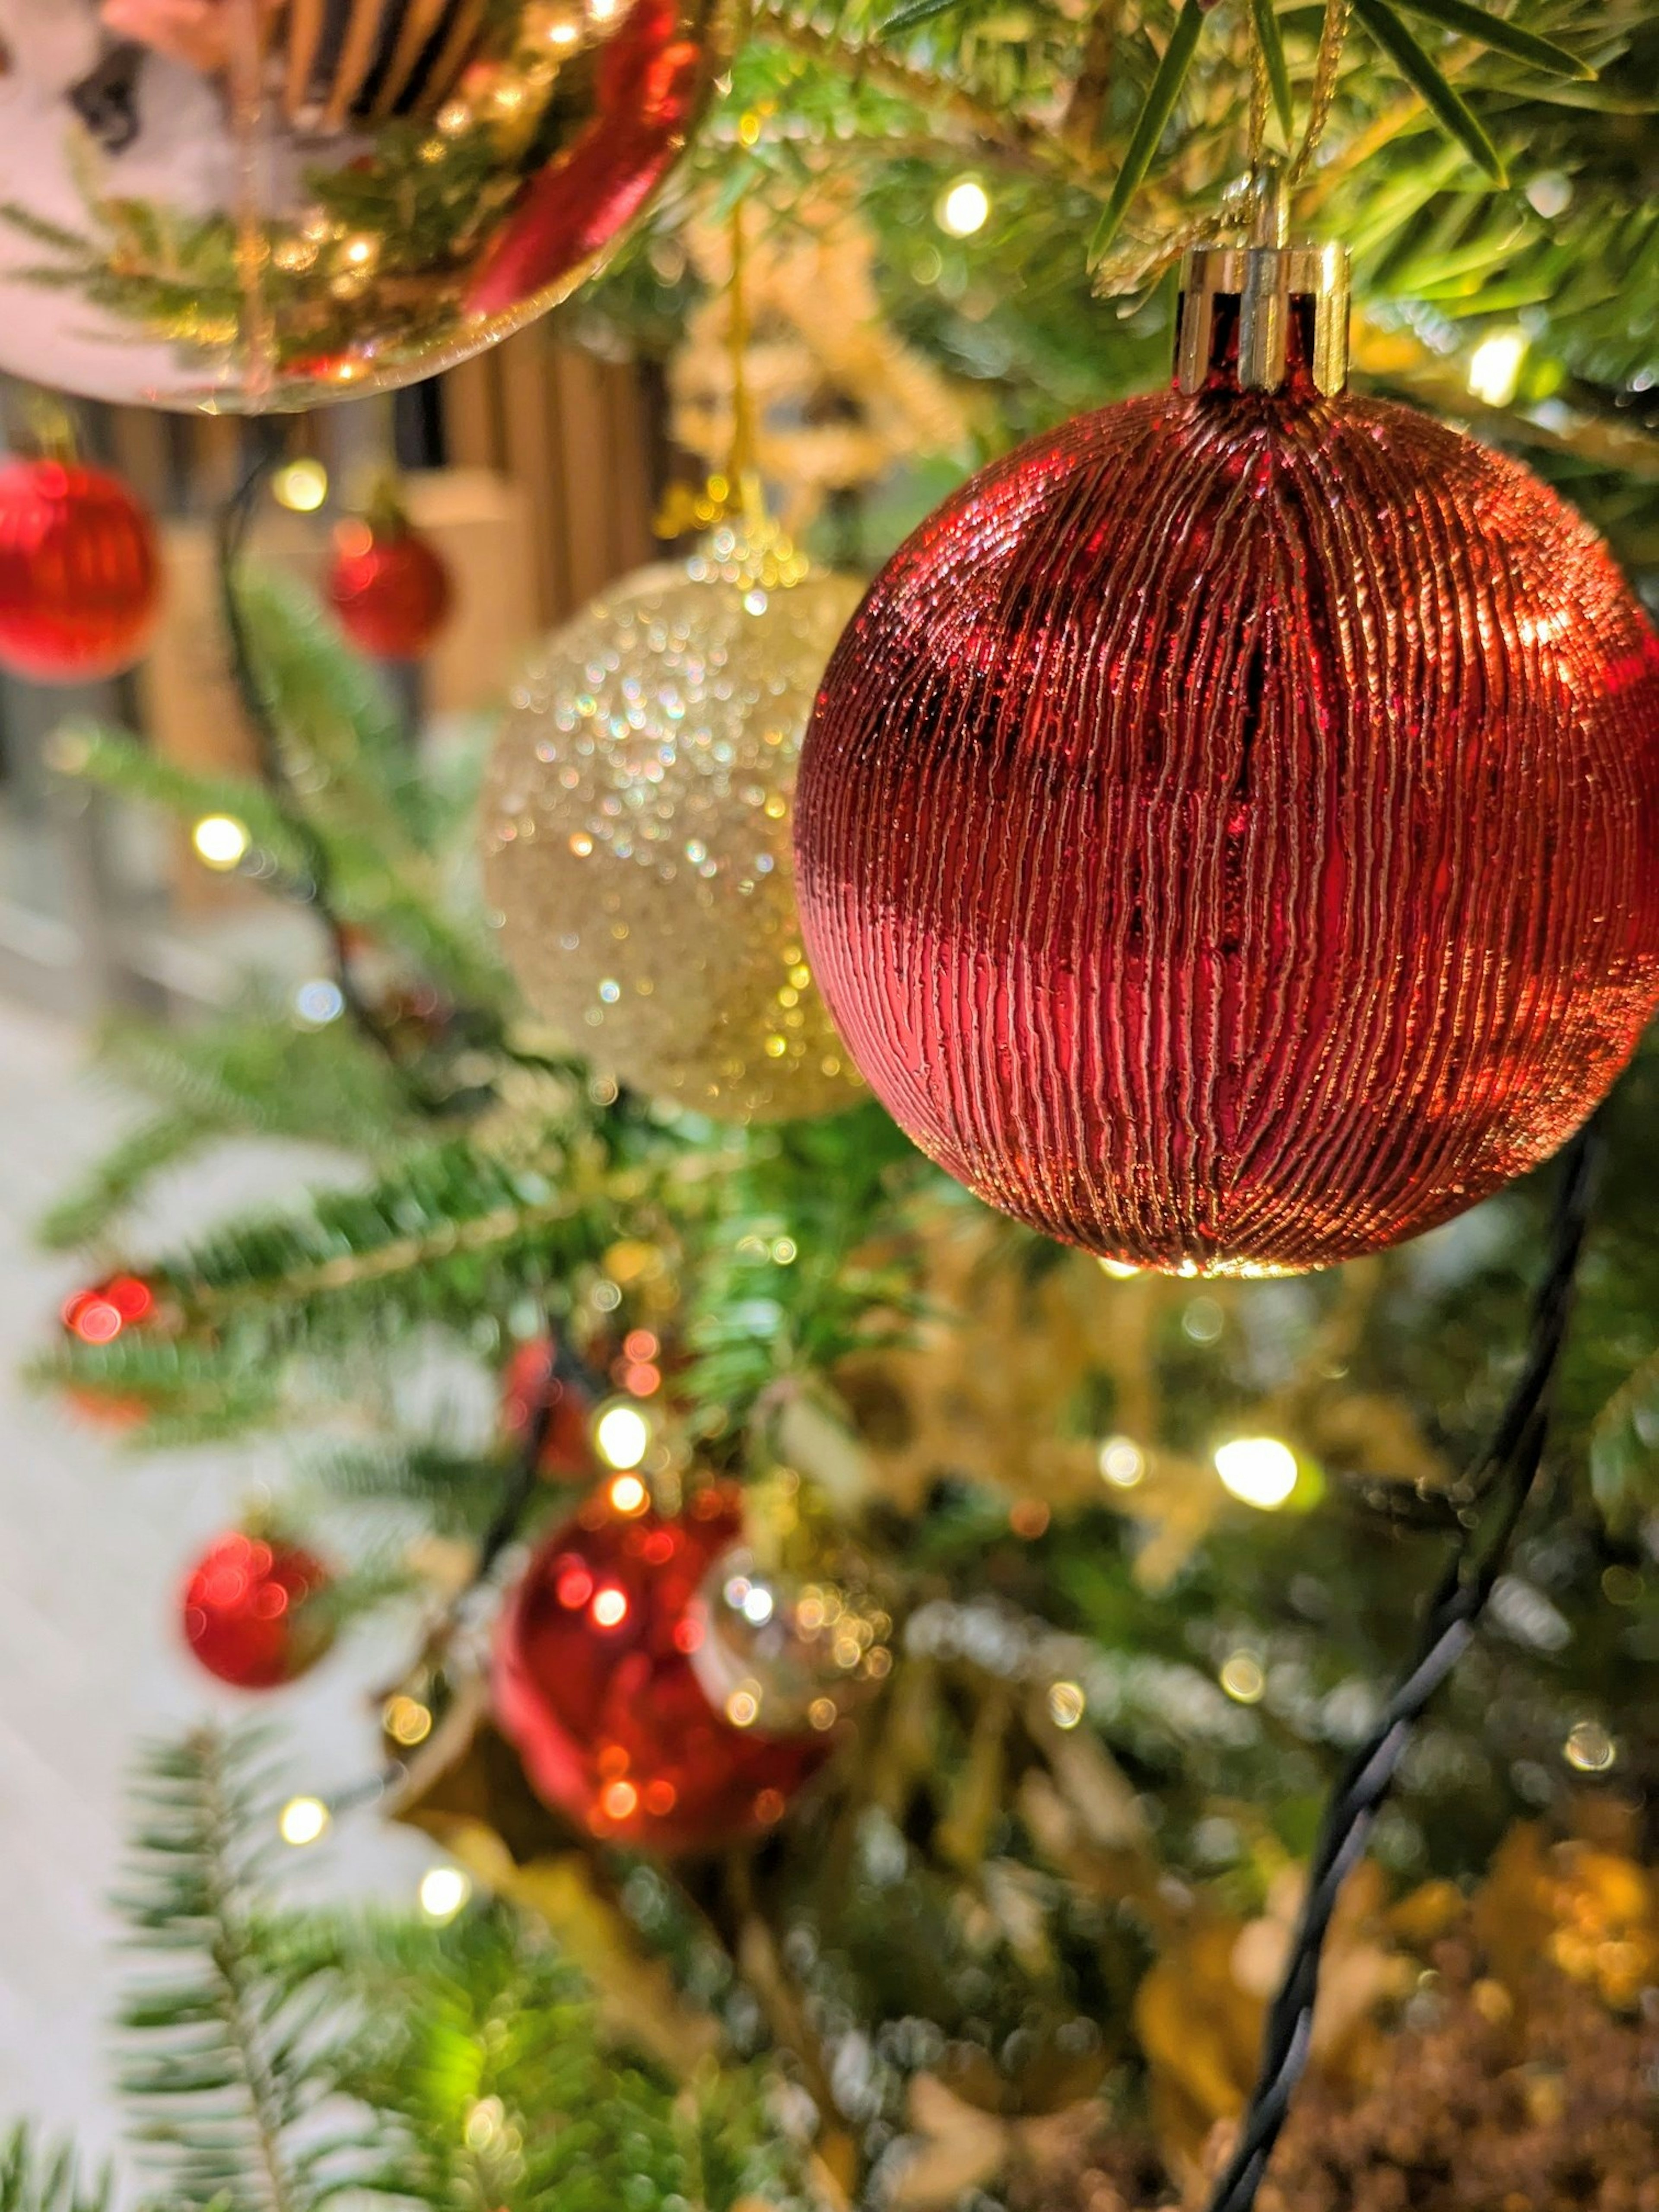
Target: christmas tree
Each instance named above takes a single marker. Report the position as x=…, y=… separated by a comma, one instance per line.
x=897, y=1691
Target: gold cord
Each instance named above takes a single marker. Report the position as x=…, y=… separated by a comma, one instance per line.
x=1333, y=31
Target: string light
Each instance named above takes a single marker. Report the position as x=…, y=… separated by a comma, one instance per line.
x=1066, y=1703
x=443, y=1890
x=220, y=842
x=1495, y=366
x=963, y=208
x=1258, y=1471
x=1588, y=1748
x=1122, y=1462
x=1243, y=1679
x=407, y=1721
x=300, y=486
x=303, y=1821
x=622, y=1435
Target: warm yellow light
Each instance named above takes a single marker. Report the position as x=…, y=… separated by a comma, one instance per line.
x=963, y=207
x=629, y=1494
x=1495, y=366
x=622, y=1436
x=1258, y=1471
x=1243, y=1679
x=407, y=1721
x=443, y=1890
x=1122, y=1462
x=1066, y=1703
x=742, y=1706
x=303, y=1821
x=1121, y=1271
x=300, y=486
x=220, y=842
x=1590, y=1748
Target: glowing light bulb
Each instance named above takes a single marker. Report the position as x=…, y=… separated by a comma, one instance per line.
x=1258, y=1471
x=622, y=1435
x=963, y=208
x=303, y=1821
x=1495, y=366
x=629, y=1495
x=220, y=842
x=1243, y=1679
x=1067, y=1704
x=1122, y=1462
x=300, y=486
x=443, y=1890
x=610, y=1607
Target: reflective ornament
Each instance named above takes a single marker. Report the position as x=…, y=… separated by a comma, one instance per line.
x=784, y=1651
x=637, y=822
x=236, y=204
x=533, y=1375
x=252, y=1614
x=80, y=575
x=595, y=1685
x=1229, y=836
x=389, y=587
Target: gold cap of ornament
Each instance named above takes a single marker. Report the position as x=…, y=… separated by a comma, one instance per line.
x=1255, y=276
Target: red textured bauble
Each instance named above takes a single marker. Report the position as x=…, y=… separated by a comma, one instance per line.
x=250, y=1611
x=1229, y=834
x=567, y=1450
x=390, y=588
x=79, y=578
x=595, y=1683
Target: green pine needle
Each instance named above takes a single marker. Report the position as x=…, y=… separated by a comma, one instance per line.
x=1156, y=111
x=1426, y=79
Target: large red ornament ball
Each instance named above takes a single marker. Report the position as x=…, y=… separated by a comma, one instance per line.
x=595, y=1682
x=79, y=578
x=1228, y=838
x=250, y=1611
x=389, y=587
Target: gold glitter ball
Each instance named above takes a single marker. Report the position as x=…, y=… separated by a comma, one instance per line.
x=637, y=824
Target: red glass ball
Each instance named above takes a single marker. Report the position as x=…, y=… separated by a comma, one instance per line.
x=1229, y=834
x=390, y=590
x=595, y=1685
x=80, y=577
x=568, y=1450
x=251, y=1614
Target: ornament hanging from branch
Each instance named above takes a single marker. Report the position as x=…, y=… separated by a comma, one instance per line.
x=1227, y=836
x=387, y=582
x=252, y=1611
x=839, y=400
x=80, y=572
x=425, y=176
x=597, y=1686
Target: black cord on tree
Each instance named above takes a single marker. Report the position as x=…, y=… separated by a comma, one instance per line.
x=234, y=521
x=1502, y=1481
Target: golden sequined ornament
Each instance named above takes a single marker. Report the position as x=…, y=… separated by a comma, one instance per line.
x=636, y=829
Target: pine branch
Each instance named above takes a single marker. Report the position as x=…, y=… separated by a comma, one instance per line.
x=226, y=2065
x=33, y=2180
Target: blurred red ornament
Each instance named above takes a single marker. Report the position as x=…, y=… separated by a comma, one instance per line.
x=595, y=1685
x=79, y=578
x=99, y=1315
x=1229, y=834
x=568, y=1449
x=648, y=87
x=250, y=1611
x=389, y=587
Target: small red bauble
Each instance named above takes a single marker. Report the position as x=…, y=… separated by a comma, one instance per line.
x=1229, y=836
x=596, y=1687
x=568, y=1449
x=80, y=578
x=390, y=588
x=250, y=1611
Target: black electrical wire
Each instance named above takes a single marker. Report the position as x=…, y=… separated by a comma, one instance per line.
x=1491, y=1498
